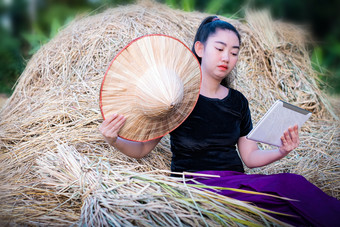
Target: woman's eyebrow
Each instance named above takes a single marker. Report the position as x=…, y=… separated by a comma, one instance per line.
x=220, y=42
x=224, y=44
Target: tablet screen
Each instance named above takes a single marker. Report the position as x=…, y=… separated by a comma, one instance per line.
x=278, y=119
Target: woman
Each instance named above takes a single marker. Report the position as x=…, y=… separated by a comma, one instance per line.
x=206, y=141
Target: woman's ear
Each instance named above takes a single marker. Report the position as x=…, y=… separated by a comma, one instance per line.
x=199, y=49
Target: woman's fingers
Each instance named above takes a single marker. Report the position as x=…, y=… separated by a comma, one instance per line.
x=116, y=124
x=290, y=140
x=287, y=136
x=107, y=121
x=112, y=125
x=291, y=135
x=283, y=139
x=294, y=134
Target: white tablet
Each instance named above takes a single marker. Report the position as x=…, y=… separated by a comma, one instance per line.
x=278, y=119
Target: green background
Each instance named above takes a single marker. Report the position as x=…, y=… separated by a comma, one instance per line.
x=25, y=25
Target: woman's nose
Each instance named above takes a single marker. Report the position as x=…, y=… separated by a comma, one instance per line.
x=225, y=57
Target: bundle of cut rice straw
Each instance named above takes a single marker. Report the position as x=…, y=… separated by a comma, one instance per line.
x=57, y=169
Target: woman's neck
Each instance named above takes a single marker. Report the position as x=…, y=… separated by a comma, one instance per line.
x=212, y=88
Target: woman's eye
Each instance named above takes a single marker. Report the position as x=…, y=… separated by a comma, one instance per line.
x=235, y=54
x=219, y=49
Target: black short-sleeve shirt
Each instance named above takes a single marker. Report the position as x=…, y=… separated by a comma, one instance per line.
x=207, y=139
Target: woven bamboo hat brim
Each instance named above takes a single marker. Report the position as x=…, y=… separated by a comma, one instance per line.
x=154, y=82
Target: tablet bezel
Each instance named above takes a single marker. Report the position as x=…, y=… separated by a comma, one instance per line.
x=258, y=133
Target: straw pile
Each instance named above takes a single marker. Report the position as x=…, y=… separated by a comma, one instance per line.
x=56, y=167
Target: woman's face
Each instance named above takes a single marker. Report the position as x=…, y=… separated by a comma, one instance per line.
x=219, y=54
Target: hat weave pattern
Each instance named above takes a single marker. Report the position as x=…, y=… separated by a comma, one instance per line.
x=154, y=82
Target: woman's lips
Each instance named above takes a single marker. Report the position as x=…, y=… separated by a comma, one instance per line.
x=223, y=67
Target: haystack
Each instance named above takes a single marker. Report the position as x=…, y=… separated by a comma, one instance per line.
x=57, y=169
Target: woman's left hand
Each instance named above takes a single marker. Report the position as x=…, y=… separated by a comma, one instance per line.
x=290, y=140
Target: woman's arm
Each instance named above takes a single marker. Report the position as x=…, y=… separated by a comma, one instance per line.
x=110, y=128
x=253, y=157
x=135, y=149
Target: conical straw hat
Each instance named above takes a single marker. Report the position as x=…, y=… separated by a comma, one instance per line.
x=154, y=82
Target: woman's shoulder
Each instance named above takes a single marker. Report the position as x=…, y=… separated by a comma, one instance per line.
x=236, y=94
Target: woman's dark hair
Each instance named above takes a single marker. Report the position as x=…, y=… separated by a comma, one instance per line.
x=207, y=28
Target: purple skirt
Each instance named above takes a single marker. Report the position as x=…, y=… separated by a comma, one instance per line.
x=310, y=207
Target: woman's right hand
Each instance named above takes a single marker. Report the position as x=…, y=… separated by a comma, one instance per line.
x=111, y=126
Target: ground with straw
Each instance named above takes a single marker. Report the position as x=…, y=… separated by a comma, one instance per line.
x=56, y=167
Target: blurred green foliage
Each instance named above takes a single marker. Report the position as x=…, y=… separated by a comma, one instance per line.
x=11, y=62
x=28, y=24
